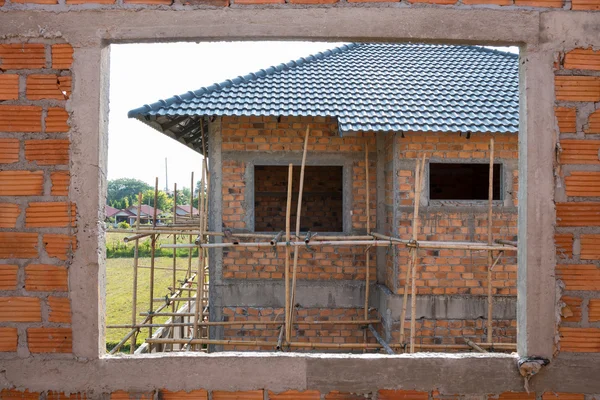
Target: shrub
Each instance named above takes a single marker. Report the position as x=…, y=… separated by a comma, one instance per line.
x=124, y=225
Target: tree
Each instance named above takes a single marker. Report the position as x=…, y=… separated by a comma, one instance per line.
x=125, y=188
x=163, y=201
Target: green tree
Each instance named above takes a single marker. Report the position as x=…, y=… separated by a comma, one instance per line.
x=163, y=201
x=125, y=188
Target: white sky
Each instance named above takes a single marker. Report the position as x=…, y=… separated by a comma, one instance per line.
x=144, y=73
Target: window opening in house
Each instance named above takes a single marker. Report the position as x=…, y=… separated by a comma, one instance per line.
x=204, y=269
x=322, y=205
x=463, y=181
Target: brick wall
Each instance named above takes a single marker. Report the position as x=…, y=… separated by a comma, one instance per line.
x=264, y=138
x=304, y=330
x=452, y=272
x=578, y=199
x=37, y=219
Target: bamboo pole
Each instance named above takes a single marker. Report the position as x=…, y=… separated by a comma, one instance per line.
x=173, y=307
x=135, y=275
x=490, y=241
x=380, y=340
x=503, y=346
x=413, y=291
x=268, y=322
x=152, y=253
x=200, y=269
x=367, y=261
x=205, y=227
x=288, y=212
x=189, y=268
x=135, y=237
x=474, y=346
x=290, y=318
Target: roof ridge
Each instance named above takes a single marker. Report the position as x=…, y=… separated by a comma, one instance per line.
x=252, y=76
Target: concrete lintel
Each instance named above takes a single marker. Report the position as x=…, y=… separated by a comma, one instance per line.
x=447, y=307
x=443, y=25
x=343, y=294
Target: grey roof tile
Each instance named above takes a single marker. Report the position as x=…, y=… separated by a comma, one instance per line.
x=367, y=86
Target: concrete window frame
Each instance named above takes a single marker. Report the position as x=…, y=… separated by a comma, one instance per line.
x=540, y=36
x=346, y=190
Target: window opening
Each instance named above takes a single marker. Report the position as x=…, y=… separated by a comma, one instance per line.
x=463, y=181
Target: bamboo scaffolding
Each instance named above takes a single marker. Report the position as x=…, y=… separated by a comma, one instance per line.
x=149, y=315
x=135, y=275
x=500, y=346
x=414, y=254
x=235, y=323
x=152, y=253
x=191, y=238
x=490, y=241
x=367, y=209
x=288, y=211
x=290, y=317
x=173, y=306
x=200, y=268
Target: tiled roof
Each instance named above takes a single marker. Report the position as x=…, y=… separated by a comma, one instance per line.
x=367, y=87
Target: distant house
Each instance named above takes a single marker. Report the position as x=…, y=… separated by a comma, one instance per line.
x=118, y=215
x=110, y=212
x=185, y=210
x=146, y=214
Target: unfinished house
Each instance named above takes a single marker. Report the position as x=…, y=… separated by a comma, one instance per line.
x=357, y=122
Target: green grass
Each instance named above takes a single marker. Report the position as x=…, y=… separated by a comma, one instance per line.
x=117, y=248
x=119, y=290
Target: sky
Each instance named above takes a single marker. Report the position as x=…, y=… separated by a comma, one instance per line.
x=145, y=73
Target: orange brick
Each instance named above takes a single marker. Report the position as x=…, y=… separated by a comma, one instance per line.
x=566, y=119
x=18, y=245
x=295, y=395
x=48, y=86
x=594, y=310
x=579, y=276
x=59, y=246
x=571, y=312
x=311, y=2
x=22, y=56
x=47, y=152
x=577, y=88
x=21, y=183
x=583, y=183
x=57, y=120
x=10, y=394
x=564, y=244
x=540, y=3
x=63, y=396
x=183, y=395
x=62, y=54
x=516, y=396
x=259, y=1
x=8, y=342
x=49, y=340
x=20, y=309
x=578, y=214
x=580, y=340
x=562, y=396
x=20, y=118
x=583, y=5
x=582, y=59
x=9, y=150
x=8, y=277
x=60, y=183
x=36, y=1
x=496, y=2
x=248, y=395
x=60, y=310
x=9, y=86
x=593, y=125
x=402, y=395
x=580, y=151
x=8, y=215
x=590, y=247
x=156, y=2
x=46, y=278
x=50, y=214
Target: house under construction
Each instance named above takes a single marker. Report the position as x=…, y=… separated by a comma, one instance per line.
x=359, y=199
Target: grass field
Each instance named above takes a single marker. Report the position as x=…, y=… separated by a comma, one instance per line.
x=119, y=289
